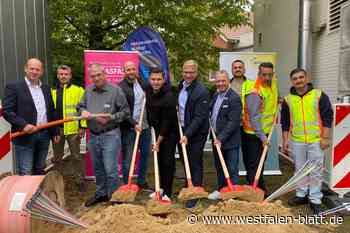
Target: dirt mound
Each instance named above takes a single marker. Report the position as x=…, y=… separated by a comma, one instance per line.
x=134, y=218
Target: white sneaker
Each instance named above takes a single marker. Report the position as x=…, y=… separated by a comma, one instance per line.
x=214, y=195
x=166, y=198
x=153, y=195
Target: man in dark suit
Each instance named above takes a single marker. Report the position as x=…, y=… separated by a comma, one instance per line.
x=194, y=112
x=225, y=116
x=26, y=104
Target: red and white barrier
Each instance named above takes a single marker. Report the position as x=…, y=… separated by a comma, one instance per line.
x=340, y=171
x=6, y=157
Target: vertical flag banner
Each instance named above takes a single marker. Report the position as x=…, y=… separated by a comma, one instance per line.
x=152, y=51
x=252, y=61
x=112, y=62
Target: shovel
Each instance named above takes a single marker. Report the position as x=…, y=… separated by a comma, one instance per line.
x=254, y=193
x=191, y=192
x=231, y=190
x=157, y=206
x=58, y=122
x=127, y=192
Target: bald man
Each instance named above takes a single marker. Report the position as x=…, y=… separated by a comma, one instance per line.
x=133, y=87
x=194, y=106
x=28, y=103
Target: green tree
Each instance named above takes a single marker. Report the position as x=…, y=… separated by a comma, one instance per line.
x=187, y=27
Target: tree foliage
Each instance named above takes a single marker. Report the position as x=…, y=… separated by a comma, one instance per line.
x=187, y=27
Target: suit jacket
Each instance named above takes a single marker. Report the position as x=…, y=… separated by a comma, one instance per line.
x=19, y=108
x=196, y=111
x=128, y=90
x=228, y=119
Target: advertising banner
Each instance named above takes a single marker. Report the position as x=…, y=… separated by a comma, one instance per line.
x=151, y=47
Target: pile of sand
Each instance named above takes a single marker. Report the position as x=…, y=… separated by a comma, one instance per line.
x=134, y=218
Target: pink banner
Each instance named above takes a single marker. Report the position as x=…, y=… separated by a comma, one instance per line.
x=113, y=62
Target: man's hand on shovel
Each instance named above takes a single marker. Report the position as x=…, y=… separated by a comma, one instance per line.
x=285, y=148
x=266, y=142
x=103, y=120
x=217, y=142
x=184, y=140
x=138, y=128
x=56, y=139
x=29, y=128
x=155, y=147
x=86, y=115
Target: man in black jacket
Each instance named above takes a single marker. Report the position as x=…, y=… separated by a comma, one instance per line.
x=194, y=112
x=133, y=87
x=225, y=115
x=28, y=103
x=161, y=112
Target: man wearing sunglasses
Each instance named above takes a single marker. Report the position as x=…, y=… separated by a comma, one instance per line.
x=259, y=114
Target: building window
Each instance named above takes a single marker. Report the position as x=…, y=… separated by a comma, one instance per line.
x=334, y=13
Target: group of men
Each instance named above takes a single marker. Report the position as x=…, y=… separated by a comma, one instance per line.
x=242, y=113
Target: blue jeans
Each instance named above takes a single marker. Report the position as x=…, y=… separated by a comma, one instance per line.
x=104, y=150
x=31, y=157
x=231, y=157
x=128, y=140
x=303, y=152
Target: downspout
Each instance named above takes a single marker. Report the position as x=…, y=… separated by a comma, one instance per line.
x=305, y=36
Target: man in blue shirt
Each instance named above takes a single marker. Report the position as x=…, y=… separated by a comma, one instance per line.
x=194, y=113
x=225, y=116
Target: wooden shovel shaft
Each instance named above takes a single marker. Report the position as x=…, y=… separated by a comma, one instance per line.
x=264, y=153
x=156, y=169
x=221, y=156
x=136, y=144
x=59, y=122
x=184, y=153
x=45, y=126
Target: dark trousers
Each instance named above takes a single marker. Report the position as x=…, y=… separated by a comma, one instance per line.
x=231, y=158
x=195, y=160
x=252, y=149
x=166, y=163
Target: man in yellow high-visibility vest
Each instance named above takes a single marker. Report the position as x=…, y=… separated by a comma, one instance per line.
x=66, y=97
x=306, y=119
x=258, y=117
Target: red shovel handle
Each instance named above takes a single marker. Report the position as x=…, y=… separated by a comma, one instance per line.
x=229, y=183
x=44, y=126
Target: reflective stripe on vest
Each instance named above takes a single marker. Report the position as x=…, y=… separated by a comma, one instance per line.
x=267, y=108
x=305, y=123
x=71, y=97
